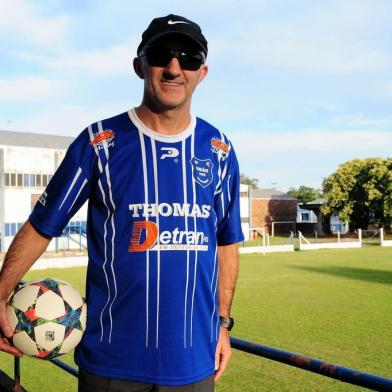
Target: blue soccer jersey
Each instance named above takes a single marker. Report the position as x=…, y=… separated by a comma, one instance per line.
x=158, y=207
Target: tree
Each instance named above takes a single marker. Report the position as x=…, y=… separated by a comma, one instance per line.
x=253, y=182
x=304, y=194
x=360, y=191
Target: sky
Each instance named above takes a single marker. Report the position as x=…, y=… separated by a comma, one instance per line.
x=299, y=87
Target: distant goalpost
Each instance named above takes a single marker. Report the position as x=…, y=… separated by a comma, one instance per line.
x=274, y=223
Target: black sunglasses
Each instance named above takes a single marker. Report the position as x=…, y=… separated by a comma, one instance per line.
x=189, y=59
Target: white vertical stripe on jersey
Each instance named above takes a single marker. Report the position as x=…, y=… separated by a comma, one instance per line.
x=228, y=196
x=78, y=172
x=107, y=172
x=154, y=160
x=106, y=258
x=217, y=314
x=216, y=285
x=79, y=192
x=213, y=273
x=185, y=192
x=195, y=230
x=105, y=228
x=145, y=179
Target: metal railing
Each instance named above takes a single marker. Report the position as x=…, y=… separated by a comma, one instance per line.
x=336, y=372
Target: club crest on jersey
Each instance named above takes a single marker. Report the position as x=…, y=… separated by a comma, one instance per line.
x=220, y=148
x=202, y=171
x=106, y=136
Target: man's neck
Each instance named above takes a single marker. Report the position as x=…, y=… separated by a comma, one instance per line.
x=168, y=122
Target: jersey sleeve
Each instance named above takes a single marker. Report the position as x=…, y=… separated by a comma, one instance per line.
x=68, y=189
x=227, y=203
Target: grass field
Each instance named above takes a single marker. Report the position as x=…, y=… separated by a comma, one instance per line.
x=334, y=305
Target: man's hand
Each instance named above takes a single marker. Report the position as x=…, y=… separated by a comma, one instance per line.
x=222, y=353
x=6, y=332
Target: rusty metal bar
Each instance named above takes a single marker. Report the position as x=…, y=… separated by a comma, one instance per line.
x=337, y=372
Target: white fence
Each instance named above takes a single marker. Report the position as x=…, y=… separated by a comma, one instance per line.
x=382, y=241
x=266, y=247
x=58, y=262
x=304, y=244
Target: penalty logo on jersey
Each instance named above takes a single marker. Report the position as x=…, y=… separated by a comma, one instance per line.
x=202, y=171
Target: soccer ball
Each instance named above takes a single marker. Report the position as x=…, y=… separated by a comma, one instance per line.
x=48, y=317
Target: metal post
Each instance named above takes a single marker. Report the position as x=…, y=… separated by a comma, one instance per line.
x=382, y=236
x=80, y=236
x=17, y=374
x=338, y=236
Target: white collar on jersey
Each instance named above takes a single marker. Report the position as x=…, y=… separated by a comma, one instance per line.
x=159, y=136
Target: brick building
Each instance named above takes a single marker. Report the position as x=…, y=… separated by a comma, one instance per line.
x=274, y=210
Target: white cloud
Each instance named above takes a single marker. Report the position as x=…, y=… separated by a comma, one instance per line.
x=113, y=61
x=359, y=120
x=23, y=20
x=255, y=145
x=337, y=37
x=65, y=119
x=31, y=89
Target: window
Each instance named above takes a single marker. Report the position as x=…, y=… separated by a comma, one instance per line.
x=7, y=179
x=12, y=228
x=19, y=179
x=38, y=179
x=25, y=180
x=32, y=179
x=13, y=179
x=44, y=180
x=305, y=216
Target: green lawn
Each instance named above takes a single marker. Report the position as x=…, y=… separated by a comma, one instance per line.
x=334, y=305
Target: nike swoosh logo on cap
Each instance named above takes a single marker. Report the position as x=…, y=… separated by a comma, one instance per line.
x=171, y=22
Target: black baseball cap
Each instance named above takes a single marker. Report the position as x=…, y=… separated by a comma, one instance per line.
x=173, y=24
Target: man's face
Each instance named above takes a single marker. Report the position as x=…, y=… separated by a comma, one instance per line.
x=169, y=86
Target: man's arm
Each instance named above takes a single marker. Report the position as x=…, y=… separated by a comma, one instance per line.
x=25, y=249
x=228, y=260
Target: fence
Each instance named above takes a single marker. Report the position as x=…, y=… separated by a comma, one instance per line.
x=384, y=242
x=266, y=247
x=336, y=372
x=304, y=244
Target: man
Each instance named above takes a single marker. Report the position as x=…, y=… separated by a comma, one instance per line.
x=163, y=224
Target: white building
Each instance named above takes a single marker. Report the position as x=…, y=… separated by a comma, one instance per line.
x=27, y=163
x=245, y=208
